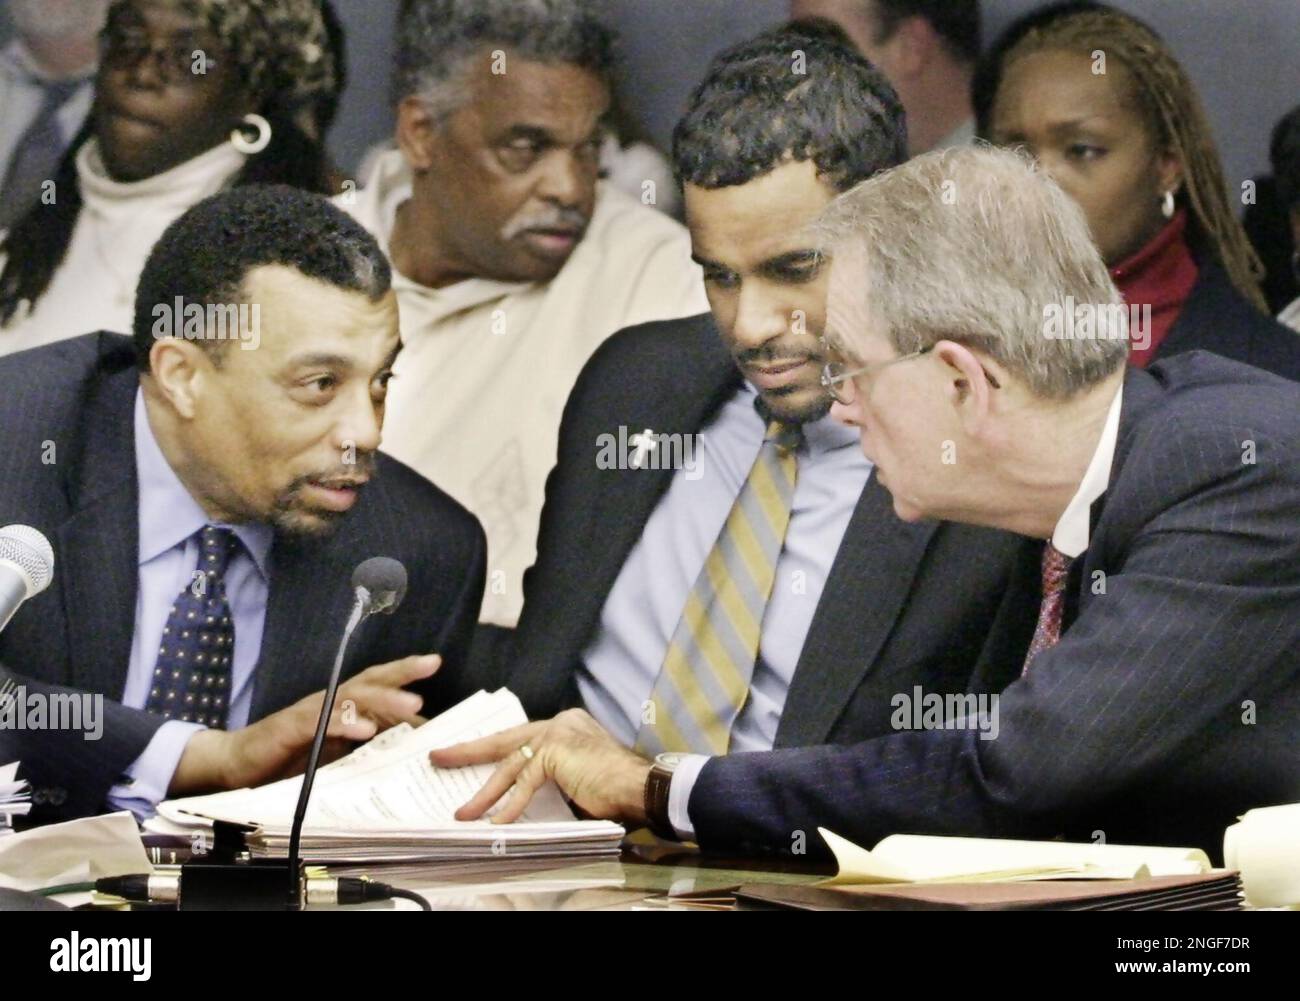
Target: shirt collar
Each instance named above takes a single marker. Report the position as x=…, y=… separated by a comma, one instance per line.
x=168, y=514
x=823, y=435
x=1074, y=529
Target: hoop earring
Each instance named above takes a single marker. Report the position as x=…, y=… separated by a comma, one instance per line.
x=1167, y=208
x=251, y=147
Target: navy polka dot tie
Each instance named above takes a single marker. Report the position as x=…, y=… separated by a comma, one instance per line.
x=191, y=679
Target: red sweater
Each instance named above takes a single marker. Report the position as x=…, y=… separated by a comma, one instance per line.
x=1160, y=275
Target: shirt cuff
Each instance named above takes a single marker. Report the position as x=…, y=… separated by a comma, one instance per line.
x=679, y=794
x=145, y=783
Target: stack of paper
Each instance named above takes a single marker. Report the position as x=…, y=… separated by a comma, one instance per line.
x=914, y=872
x=385, y=802
x=1211, y=891
x=914, y=858
x=15, y=798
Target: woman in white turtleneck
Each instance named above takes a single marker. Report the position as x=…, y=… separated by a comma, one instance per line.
x=161, y=138
x=119, y=222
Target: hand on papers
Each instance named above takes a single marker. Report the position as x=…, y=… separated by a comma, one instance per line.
x=599, y=775
x=277, y=747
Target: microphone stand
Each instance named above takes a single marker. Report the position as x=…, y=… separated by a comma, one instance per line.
x=360, y=610
x=222, y=879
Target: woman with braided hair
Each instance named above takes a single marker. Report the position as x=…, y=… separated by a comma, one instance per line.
x=192, y=96
x=1101, y=102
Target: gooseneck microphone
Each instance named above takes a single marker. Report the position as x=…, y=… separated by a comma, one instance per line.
x=380, y=585
x=26, y=568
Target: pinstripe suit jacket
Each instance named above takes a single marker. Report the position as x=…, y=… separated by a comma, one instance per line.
x=1171, y=703
x=67, y=467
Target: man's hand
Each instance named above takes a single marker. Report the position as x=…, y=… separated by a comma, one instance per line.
x=602, y=777
x=278, y=746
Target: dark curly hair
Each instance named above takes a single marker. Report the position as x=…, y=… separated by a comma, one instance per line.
x=790, y=93
x=204, y=256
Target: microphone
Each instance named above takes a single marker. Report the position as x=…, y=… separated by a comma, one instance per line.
x=380, y=586
x=381, y=583
x=221, y=881
x=26, y=568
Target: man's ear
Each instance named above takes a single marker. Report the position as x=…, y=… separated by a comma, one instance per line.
x=178, y=368
x=914, y=42
x=417, y=130
x=967, y=383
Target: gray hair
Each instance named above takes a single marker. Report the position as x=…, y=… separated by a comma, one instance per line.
x=438, y=40
x=977, y=245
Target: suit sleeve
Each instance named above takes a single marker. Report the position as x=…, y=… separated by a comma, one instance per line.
x=456, y=680
x=71, y=772
x=1153, y=672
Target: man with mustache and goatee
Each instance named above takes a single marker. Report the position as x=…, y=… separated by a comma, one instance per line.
x=753, y=590
x=208, y=487
x=512, y=261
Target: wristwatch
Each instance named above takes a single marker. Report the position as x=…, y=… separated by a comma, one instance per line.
x=657, y=786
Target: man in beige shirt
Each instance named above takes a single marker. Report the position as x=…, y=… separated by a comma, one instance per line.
x=512, y=262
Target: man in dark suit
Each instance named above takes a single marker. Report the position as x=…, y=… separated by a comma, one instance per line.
x=1160, y=696
x=664, y=437
x=208, y=488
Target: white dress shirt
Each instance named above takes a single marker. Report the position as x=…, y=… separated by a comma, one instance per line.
x=1075, y=524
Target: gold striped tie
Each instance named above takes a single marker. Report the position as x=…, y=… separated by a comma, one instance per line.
x=707, y=670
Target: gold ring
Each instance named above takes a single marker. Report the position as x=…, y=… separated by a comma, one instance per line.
x=526, y=751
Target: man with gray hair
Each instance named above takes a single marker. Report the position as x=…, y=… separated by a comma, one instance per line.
x=1160, y=695
x=513, y=263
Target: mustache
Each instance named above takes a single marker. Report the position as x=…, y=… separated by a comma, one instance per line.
x=770, y=355
x=346, y=475
x=552, y=218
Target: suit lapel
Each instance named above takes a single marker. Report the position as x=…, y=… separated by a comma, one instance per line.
x=864, y=594
x=99, y=554
x=307, y=605
x=98, y=547
x=626, y=498
x=1142, y=393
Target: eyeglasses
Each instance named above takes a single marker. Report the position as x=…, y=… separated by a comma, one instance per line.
x=834, y=374
x=126, y=48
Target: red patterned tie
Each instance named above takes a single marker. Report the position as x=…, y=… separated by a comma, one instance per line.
x=1056, y=571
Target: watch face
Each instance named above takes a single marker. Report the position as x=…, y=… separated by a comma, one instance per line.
x=670, y=760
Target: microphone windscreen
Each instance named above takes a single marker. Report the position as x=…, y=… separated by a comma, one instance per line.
x=384, y=578
x=30, y=552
